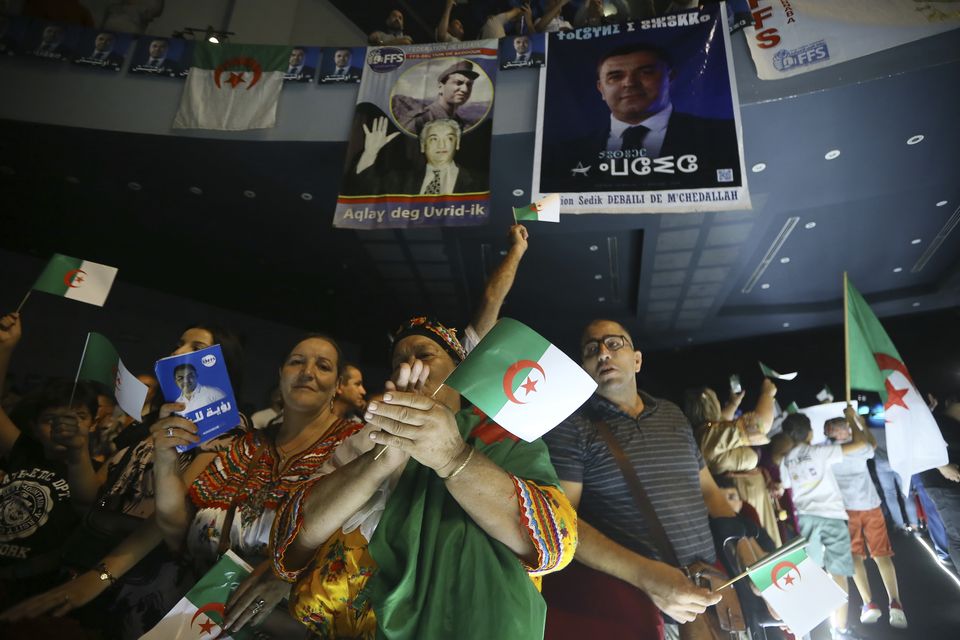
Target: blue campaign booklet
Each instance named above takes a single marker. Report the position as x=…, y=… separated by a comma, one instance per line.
x=200, y=381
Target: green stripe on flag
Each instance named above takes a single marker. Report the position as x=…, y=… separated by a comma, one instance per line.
x=764, y=575
x=55, y=276
x=529, y=212
x=238, y=57
x=497, y=360
x=867, y=337
x=100, y=361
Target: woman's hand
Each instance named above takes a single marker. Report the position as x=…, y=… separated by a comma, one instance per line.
x=255, y=598
x=10, y=332
x=68, y=434
x=171, y=431
x=417, y=425
x=60, y=600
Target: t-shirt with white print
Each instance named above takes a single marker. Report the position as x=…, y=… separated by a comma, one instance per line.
x=807, y=471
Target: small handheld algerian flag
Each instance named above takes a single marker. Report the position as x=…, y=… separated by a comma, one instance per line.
x=797, y=589
x=76, y=279
x=232, y=87
x=770, y=373
x=793, y=408
x=524, y=383
x=101, y=362
x=825, y=395
x=545, y=210
x=200, y=613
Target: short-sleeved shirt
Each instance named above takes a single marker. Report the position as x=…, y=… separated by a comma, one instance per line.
x=856, y=485
x=660, y=445
x=35, y=509
x=808, y=471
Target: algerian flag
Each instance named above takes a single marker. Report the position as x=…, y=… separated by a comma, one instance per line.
x=544, y=210
x=770, y=373
x=101, y=362
x=524, y=383
x=825, y=395
x=793, y=408
x=232, y=87
x=797, y=589
x=914, y=442
x=76, y=279
x=198, y=614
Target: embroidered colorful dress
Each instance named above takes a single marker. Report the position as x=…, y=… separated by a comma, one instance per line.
x=246, y=478
x=428, y=570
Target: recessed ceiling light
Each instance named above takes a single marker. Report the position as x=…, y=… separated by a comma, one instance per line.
x=689, y=339
x=917, y=139
x=197, y=191
x=601, y=299
x=250, y=194
x=832, y=154
x=598, y=276
x=915, y=304
x=72, y=179
x=916, y=241
x=810, y=225
x=942, y=203
x=133, y=186
x=518, y=192
x=786, y=324
x=765, y=285
x=784, y=260
x=593, y=247
x=503, y=252
x=760, y=166
x=897, y=269
x=306, y=196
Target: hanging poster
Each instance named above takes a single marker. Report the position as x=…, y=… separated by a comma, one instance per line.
x=156, y=56
x=791, y=37
x=98, y=49
x=641, y=117
x=419, y=148
x=522, y=51
x=302, y=65
x=341, y=64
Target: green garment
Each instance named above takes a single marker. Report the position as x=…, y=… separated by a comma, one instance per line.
x=439, y=575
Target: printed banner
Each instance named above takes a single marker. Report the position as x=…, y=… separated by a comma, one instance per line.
x=156, y=56
x=522, y=51
x=641, y=117
x=201, y=382
x=790, y=37
x=98, y=49
x=302, y=65
x=341, y=64
x=419, y=149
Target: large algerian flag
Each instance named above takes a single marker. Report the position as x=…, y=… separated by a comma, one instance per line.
x=101, y=362
x=546, y=209
x=232, y=87
x=200, y=613
x=76, y=279
x=524, y=383
x=770, y=373
x=797, y=589
x=914, y=442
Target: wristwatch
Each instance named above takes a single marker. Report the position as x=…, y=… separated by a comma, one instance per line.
x=104, y=573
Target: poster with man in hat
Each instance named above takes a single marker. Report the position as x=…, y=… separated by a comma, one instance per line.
x=419, y=149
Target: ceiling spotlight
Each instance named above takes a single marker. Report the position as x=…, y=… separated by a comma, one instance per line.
x=916, y=241
x=133, y=186
x=810, y=225
x=757, y=168
x=306, y=196
x=784, y=260
x=601, y=299
x=942, y=203
x=897, y=269
x=832, y=154
x=212, y=36
x=72, y=179
x=765, y=285
x=197, y=191
x=250, y=194
x=593, y=247
x=915, y=139
x=915, y=304
x=598, y=276
x=786, y=324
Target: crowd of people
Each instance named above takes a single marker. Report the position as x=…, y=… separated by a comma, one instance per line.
x=408, y=513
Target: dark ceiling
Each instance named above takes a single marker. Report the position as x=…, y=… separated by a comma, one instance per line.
x=884, y=210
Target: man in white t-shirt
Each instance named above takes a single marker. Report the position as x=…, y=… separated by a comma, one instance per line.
x=193, y=394
x=867, y=526
x=808, y=471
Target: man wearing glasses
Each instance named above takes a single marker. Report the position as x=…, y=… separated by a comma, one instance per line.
x=659, y=443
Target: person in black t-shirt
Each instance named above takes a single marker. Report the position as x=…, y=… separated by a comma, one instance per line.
x=35, y=510
x=943, y=483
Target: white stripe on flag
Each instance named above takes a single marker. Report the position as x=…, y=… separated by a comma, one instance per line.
x=809, y=602
x=130, y=392
x=92, y=283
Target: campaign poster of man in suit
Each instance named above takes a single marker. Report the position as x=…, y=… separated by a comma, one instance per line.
x=100, y=49
x=302, y=65
x=156, y=56
x=641, y=117
x=341, y=64
x=419, y=149
x=522, y=51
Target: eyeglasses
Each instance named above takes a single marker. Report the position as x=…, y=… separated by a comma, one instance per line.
x=612, y=342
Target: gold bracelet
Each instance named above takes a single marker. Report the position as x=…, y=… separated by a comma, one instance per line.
x=464, y=464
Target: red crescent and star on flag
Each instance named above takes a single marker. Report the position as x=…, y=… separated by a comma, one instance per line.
x=207, y=627
x=894, y=395
x=530, y=386
x=74, y=278
x=235, y=78
x=789, y=579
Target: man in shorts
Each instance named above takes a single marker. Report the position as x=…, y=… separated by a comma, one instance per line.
x=868, y=529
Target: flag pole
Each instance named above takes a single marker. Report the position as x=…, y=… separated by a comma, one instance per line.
x=24, y=301
x=779, y=553
x=514, y=212
x=846, y=335
x=76, y=378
